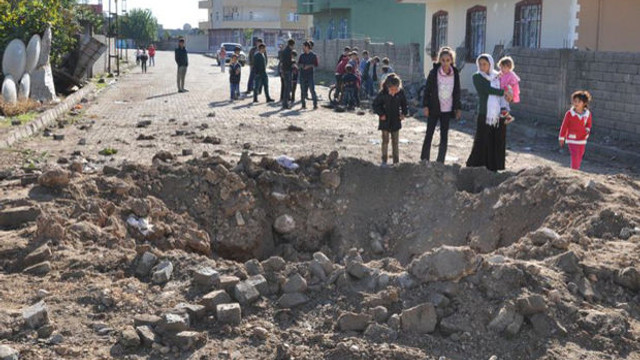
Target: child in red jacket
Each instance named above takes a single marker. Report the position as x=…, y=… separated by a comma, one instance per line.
x=576, y=127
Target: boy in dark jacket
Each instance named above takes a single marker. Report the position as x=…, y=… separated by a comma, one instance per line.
x=295, y=72
x=235, y=71
x=441, y=101
x=260, y=70
x=286, y=63
x=391, y=107
x=252, y=54
x=182, y=60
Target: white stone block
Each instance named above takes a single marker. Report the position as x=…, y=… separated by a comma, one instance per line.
x=33, y=53
x=14, y=59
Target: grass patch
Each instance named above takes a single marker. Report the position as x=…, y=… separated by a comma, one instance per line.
x=23, y=118
x=19, y=108
x=108, y=151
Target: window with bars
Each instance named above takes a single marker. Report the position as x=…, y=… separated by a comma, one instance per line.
x=439, y=29
x=331, y=30
x=343, y=32
x=528, y=24
x=476, y=32
x=230, y=13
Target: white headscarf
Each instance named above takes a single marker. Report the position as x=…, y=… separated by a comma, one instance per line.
x=493, y=103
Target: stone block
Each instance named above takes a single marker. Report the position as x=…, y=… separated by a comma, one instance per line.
x=229, y=313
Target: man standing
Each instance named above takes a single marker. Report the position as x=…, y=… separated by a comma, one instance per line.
x=287, y=66
x=152, y=55
x=182, y=59
x=260, y=73
x=252, y=54
x=307, y=63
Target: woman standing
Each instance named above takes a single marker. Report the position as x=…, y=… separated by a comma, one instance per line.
x=441, y=101
x=489, y=143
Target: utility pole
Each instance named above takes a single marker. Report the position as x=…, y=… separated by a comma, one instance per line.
x=114, y=16
x=109, y=41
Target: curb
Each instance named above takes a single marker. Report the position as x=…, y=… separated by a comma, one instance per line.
x=46, y=118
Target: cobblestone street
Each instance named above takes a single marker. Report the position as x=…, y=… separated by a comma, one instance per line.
x=182, y=121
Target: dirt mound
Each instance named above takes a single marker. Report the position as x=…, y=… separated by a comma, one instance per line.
x=331, y=258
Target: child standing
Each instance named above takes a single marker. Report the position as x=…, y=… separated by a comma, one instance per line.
x=510, y=83
x=441, y=102
x=223, y=58
x=391, y=107
x=143, y=61
x=295, y=72
x=576, y=127
x=235, y=71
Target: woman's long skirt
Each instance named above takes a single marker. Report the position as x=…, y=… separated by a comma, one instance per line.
x=489, y=145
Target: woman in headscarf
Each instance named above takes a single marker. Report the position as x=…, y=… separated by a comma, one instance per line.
x=489, y=144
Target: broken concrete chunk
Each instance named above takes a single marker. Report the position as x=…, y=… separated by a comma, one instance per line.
x=507, y=319
x=324, y=261
x=274, y=264
x=146, y=263
x=38, y=255
x=284, y=224
x=445, y=263
x=421, y=319
x=36, y=315
x=291, y=300
x=245, y=293
x=531, y=304
x=162, y=272
x=147, y=336
x=206, y=277
x=260, y=283
x=354, y=322
x=227, y=282
x=215, y=298
x=129, y=339
x=173, y=323
x=254, y=267
x=40, y=269
x=146, y=320
x=54, y=178
x=8, y=353
x=295, y=284
x=229, y=314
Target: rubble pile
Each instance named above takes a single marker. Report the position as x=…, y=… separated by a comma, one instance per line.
x=336, y=259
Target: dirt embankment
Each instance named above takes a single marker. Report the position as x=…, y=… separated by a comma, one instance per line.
x=338, y=259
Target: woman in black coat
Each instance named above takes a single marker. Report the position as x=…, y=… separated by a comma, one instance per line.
x=441, y=101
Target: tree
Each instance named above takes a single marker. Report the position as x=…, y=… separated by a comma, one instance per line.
x=20, y=19
x=248, y=34
x=140, y=26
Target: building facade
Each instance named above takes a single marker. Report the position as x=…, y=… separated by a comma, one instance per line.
x=377, y=20
x=476, y=26
x=240, y=20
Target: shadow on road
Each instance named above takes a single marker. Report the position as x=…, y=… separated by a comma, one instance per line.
x=161, y=95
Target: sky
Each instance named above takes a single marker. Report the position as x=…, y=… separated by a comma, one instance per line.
x=171, y=14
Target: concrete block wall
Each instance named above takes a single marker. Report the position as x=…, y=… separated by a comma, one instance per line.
x=550, y=76
x=405, y=59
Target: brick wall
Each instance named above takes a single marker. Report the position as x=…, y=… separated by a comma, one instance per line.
x=405, y=59
x=549, y=76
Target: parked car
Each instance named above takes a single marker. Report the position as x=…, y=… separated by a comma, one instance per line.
x=230, y=47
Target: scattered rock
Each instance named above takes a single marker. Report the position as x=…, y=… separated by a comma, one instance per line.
x=291, y=300
x=628, y=277
x=294, y=128
x=420, y=319
x=380, y=314
x=543, y=235
x=146, y=263
x=260, y=333
x=8, y=353
x=54, y=178
x=147, y=336
x=380, y=333
x=274, y=264
x=531, y=304
x=295, y=284
x=173, y=323
x=229, y=314
x=36, y=315
x=394, y=322
x=162, y=272
x=353, y=322
x=190, y=340
x=212, y=140
x=227, y=282
x=163, y=156
x=211, y=300
x=245, y=293
x=40, y=269
x=40, y=254
x=254, y=267
x=507, y=320
x=143, y=123
x=284, y=224
x=260, y=283
x=129, y=339
x=445, y=263
x=143, y=137
x=206, y=277
x=330, y=179
x=211, y=114
x=187, y=152
x=146, y=320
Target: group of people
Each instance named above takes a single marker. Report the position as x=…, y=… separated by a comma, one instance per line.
x=143, y=55
x=496, y=90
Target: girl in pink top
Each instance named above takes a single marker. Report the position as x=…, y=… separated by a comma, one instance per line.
x=510, y=83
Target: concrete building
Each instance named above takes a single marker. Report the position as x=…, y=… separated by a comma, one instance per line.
x=240, y=20
x=378, y=20
x=477, y=26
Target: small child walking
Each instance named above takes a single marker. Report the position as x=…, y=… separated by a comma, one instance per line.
x=235, y=72
x=391, y=107
x=576, y=127
x=510, y=83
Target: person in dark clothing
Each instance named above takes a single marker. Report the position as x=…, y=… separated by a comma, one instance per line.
x=489, y=143
x=182, y=60
x=143, y=61
x=368, y=73
x=391, y=107
x=350, y=88
x=295, y=74
x=441, y=102
x=235, y=72
x=252, y=75
x=340, y=69
x=307, y=63
x=260, y=69
x=286, y=63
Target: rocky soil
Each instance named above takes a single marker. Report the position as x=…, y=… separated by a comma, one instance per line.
x=338, y=259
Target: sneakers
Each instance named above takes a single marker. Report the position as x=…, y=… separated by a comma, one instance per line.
x=270, y=100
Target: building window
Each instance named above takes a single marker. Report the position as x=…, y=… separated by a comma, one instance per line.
x=528, y=24
x=439, y=27
x=343, y=33
x=476, y=32
x=230, y=13
x=317, y=33
x=217, y=16
x=331, y=30
x=293, y=17
x=250, y=15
